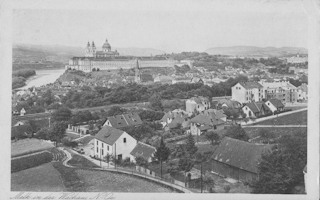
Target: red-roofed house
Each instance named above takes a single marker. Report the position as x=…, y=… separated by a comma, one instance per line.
x=112, y=141
x=238, y=159
x=245, y=92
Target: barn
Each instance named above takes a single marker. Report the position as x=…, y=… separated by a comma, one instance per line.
x=238, y=159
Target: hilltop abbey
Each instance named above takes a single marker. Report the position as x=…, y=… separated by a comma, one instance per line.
x=108, y=60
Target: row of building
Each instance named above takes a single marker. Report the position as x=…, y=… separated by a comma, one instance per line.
x=245, y=92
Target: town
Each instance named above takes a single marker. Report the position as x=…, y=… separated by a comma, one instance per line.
x=183, y=122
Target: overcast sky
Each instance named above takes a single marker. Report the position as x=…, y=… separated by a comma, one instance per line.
x=170, y=26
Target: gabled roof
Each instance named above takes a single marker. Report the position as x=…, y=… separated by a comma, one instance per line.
x=207, y=119
x=109, y=135
x=240, y=154
x=251, y=85
x=124, y=120
x=253, y=107
x=218, y=113
x=143, y=150
x=277, y=103
x=262, y=105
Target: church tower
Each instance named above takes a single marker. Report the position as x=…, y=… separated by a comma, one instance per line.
x=93, y=47
x=137, y=77
x=88, y=50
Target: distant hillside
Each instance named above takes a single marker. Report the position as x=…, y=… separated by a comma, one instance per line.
x=256, y=51
x=63, y=53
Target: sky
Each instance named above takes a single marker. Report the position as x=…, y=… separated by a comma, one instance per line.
x=169, y=26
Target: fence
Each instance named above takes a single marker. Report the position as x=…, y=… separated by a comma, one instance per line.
x=150, y=175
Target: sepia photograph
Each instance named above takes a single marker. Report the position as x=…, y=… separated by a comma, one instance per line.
x=113, y=97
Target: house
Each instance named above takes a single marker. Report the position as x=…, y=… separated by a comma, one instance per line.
x=124, y=120
x=256, y=109
x=163, y=79
x=15, y=122
x=245, y=92
x=280, y=89
x=228, y=103
x=197, y=104
x=275, y=105
x=302, y=92
x=218, y=114
x=142, y=150
x=115, y=142
x=22, y=112
x=22, y=131
x=238, y=159
x=196, y=80
x=205, y=122
x=172, y=118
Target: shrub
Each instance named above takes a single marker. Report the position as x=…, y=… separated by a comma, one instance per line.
x=30, y=161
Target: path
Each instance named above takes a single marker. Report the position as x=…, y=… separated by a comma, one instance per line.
x=272, y=117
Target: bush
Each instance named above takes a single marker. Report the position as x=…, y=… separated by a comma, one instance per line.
x=30, y=161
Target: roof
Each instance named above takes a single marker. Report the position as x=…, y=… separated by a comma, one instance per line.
x=22, y=130
x=230, y=103
x=251, y=85
x=124, y=120
x=253, y=107
x=199, y=99
x=109, y=135
x=277, y=103
x=240, y=154
x=218, y=113
x=207, y=119
x=143, y=150
x=262, y=105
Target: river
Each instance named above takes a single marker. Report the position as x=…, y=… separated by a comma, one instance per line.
x=43, y=77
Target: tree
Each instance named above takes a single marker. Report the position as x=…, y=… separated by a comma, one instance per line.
x=212, y=136
x=162, y=153
x=57, y=132
x=208, y=181
x=62, y=114
x=226, y=188
x=155, y=102
x=185, y=164
x=199, y=159
x=115, y=110
x=140, y=161
x=173, y=168
x=191, y=145
x=237, y=132
x=282, y=169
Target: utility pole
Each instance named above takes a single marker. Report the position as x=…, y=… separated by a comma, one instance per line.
x=201, y=176
x=100, y=158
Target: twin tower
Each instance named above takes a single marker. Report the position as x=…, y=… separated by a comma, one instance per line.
x=106, y=50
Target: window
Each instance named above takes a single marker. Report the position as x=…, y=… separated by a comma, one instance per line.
x=124, y=140
x=97, y=142
x=108, y=147
x=102, y=144
x=214, y=127
x=97, y=150
x=102, y=152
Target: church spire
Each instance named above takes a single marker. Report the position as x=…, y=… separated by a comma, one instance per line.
x=88, y=45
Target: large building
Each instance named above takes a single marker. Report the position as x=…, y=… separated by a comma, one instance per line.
x=282, y=90
x=109, y=60
x=245, y=92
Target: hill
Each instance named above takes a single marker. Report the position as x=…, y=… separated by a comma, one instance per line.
x=257, y=51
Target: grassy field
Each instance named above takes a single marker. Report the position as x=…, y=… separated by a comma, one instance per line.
x=43, y=178
x=27, y=146
x=253, y=132
x=299, y=118
x=80, y=161
x=96, y=181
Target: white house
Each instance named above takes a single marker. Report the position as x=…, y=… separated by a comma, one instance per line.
x=275, y=105
x=22, y=112
x=124, y=120
x=245, y=92
x=143, y=150
x=115, y=142
x=197, y=104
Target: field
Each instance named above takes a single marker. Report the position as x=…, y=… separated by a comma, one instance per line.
x=253, y=132
x=43, y=178
x=299, y=118
x=96, y=181
x=27, y=146
x=80, y=161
